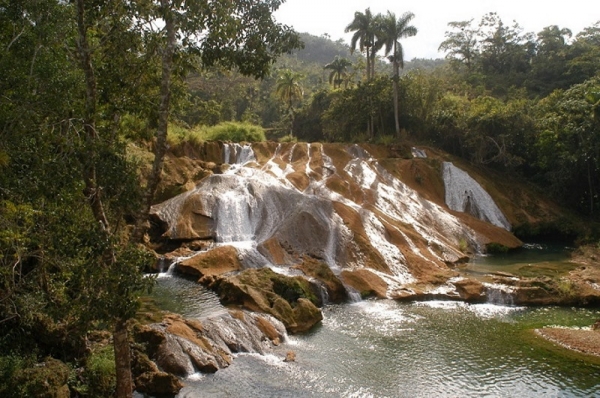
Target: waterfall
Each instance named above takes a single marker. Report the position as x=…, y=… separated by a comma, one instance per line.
x=464, y=194
x=233, y=218
x=418, y=153
x=235, y=153
x=499, y=294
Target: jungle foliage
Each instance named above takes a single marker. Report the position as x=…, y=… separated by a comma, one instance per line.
x=81, y=80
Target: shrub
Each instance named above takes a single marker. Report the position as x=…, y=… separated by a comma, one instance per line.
x=178, y=134
x=236, y=132
x=288, y=138
x=101, y=373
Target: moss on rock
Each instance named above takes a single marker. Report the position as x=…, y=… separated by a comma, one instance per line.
x=289, y=299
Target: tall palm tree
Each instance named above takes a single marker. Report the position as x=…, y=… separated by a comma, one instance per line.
x=289, y=90
x=338, y=69
x=364, y=28
x=391, y=31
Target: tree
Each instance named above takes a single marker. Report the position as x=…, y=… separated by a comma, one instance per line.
x=569, y=144
x=70, y=271
x=461, y=45
x=549, y=65
x=391, y=31
x=338, y=69
x=363, y=26
x=289, y=90
x=506, y=53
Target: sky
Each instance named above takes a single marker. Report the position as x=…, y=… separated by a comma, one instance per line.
x=318, y=17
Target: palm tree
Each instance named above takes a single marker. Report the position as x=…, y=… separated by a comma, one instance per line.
x=289, y=90
x=391, y=31
x=338, y=71
x=363, y=27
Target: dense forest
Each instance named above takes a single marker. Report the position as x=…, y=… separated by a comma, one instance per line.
x=85, y=82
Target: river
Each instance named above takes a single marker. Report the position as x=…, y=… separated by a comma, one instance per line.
x=388, y=349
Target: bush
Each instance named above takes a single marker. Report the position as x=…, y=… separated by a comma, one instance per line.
x=22, y=377
x=178, y=134
x=288, y=138
x=101, y=373
x=236, y=132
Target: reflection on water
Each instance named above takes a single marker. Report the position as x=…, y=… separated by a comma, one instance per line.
x=529, y=261
x=185, y=296
x=389, y=349
x=431, y=349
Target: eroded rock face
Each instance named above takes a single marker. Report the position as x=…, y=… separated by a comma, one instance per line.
x=218, y=261
x=291, y=300
x=179, y=347
x=281, y=203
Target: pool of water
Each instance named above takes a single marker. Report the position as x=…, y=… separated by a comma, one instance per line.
x=430, y=349
x=532, y=260
x=388, y=349
x=424, y=349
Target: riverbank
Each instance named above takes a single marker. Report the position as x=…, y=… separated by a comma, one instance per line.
x=586, y=341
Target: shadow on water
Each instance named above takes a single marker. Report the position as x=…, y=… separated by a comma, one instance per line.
x=531, y=260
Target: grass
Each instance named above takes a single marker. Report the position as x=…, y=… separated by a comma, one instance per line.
x=227, y=131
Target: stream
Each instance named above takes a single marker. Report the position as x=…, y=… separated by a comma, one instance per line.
x=384, y=348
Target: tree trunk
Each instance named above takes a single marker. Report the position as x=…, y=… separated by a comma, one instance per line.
x=92, y=191
x=93, y=194
x=368, y=65
x=396, y=105
x=122, y=360
x=160, y=148
x=591, y=188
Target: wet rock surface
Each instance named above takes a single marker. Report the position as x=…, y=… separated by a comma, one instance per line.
x=179, y=347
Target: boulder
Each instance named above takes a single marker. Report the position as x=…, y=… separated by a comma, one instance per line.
x=336, y=292
x=158, y=384
x=365, y=282
x=218, y=261
x=470, y=290
x=289, y=299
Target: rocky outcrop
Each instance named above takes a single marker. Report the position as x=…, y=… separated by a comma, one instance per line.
x=322, y=275
x=292, y=300
x=179, y=347
x=366, y=283
x=383, y=223
x=217, y=261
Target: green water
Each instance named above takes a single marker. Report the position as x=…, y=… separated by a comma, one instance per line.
x=534, y=260
x=432, y=349
x=424, y=349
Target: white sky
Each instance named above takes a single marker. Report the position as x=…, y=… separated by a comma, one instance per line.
x=432, y=16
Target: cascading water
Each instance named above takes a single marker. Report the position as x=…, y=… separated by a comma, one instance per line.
x=258, y=208
x=464, y=194
x=238, y=154
x=499, y=294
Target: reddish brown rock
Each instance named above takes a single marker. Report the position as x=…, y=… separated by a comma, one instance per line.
x=217, y=261
x=365, y=282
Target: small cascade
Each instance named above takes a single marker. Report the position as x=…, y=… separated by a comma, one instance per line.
x=353, y=295
x=418, y=153
x=308, y=170
x=235, y=153
x=464, y=194
x=168, y=270
x=499, y=294
x=233, y=218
